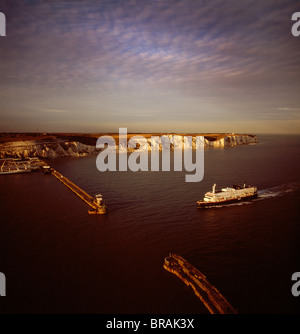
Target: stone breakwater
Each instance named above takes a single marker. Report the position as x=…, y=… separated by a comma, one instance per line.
x=55, y=149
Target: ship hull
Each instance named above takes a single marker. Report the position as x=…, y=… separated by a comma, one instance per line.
x=202, y=204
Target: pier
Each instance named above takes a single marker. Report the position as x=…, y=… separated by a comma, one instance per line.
x=206, y=292
x=95, y=203
x=15, y=165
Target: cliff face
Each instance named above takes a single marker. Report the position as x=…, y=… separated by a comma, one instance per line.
x=54, y=149
x=209, y=142
x=231, y=140
x=19, y=149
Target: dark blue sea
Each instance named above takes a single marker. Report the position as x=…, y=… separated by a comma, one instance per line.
x=58, y=259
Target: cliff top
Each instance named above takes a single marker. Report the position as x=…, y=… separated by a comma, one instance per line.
x=91, y=138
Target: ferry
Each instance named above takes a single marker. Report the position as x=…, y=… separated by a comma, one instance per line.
x=227, y=195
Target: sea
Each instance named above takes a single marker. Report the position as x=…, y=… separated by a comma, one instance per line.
x=57, y=258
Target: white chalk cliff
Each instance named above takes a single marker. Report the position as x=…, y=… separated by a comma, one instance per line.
x=177, y=141
x=18, y=149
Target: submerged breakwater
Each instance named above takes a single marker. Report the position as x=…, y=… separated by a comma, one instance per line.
x=205, y=291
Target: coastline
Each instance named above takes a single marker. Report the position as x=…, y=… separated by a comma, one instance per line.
x=54, y=145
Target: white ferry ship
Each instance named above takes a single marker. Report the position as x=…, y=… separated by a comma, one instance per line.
x=227, y=195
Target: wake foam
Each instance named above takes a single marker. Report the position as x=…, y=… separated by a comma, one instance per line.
x=277, y=191
x=264, y=194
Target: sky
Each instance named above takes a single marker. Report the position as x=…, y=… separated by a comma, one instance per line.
x=185, y=66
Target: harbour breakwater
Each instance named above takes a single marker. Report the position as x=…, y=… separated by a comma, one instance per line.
x=69, y=148
x=209, y=295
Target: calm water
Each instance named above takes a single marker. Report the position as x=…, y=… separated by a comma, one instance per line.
x=57, y=258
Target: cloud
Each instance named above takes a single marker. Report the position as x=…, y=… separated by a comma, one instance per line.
x=179, y=43
x=55, y=110
x=289, y=109
x=220, y=54
x=285, y=113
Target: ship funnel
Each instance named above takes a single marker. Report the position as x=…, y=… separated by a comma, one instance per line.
x=214, y=188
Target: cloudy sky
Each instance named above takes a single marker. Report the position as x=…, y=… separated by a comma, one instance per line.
x=150, y=66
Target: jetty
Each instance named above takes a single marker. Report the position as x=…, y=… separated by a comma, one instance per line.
x=96, y=203
x=22, y=165
x=205, y=291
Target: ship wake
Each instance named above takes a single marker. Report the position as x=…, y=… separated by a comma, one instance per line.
x=264, y=194
x=277, y=191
